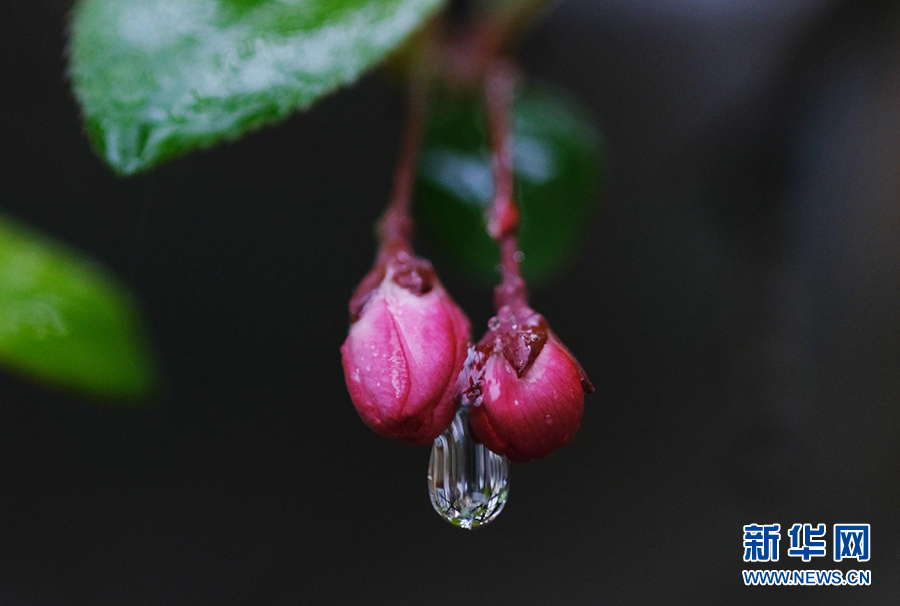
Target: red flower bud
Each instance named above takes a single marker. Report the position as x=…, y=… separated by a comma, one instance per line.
x=524, y=389
x=407, y=345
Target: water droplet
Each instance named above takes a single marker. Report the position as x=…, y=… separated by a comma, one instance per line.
x=467, y=483
x=368, y=368
x=478, y=401
x=548, y=420
x=519, y=256
x=494, y=323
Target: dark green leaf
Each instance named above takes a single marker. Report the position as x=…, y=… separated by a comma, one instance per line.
x=556, y=160
x=157, y=78
x=65, y=321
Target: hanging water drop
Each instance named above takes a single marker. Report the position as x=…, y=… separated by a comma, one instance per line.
x=467, y=483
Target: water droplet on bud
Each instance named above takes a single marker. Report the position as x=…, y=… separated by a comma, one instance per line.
x=467, y=483
x=494, y=323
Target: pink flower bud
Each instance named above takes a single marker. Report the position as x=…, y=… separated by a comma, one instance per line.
x=407, y=344
x=524, y=389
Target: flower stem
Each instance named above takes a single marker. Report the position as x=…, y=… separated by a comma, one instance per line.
x=502, y=216
x=395, y=229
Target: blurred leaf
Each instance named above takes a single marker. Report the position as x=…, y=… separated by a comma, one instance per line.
x=65, y=321
x=157, y=78
x=557, y=163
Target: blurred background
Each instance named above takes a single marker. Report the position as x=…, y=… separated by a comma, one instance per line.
x=736, y=306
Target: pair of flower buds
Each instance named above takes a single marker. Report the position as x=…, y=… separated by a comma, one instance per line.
x=409, y=364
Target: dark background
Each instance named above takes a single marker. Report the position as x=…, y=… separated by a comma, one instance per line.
x=736, y=306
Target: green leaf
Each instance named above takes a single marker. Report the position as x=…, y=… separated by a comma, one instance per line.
x=157, y=78
x=557, y=158
x=65, y=321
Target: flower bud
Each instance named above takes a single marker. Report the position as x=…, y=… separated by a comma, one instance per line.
x=525, y=391
x=406, y=347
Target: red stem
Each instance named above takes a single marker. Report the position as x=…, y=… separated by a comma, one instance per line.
x=503, y=216
x=395, y=229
